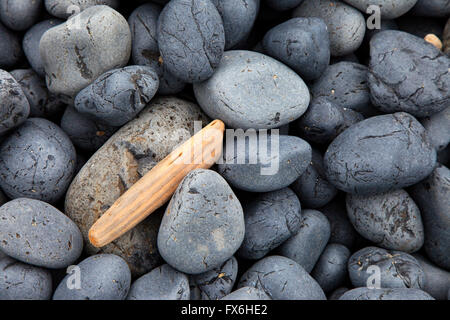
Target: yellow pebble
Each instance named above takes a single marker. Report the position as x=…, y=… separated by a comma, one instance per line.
x=435, y=41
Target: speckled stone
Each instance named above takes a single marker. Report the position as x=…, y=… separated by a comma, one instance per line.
x=252, y=90
x=390, y=220
x=247, y=293
x=36, y=233
x=374, y=155
x=162, y=283
x=20, y=281
x=122, y=161
x=73, y=60
x=203, y=225
x=306, y=246
x=102, y=277
x=63, y=8
x=386, y=294
x=397, y=269
x=282, y=279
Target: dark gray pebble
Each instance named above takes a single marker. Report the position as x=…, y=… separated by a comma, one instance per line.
x=10, y=48
x=20, y=15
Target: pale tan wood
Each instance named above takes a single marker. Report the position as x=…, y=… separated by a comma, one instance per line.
x=157, y=186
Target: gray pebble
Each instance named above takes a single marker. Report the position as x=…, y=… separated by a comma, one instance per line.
x=34, y=232
x=438, y=128
x=143, y=23
x=342, y=230
x=19, y=281
x=15, y=106
x=117, y=96
x=408, y=74
x=42, y=102
x=282, y=279
x=191, y=39
x=162, y=283
x=397, y=269
x=214, y=284
x=312, y=187
x=306, y=246
x=10, y=48
x=83, y=132
x=330, y=270
x=431, y=8
x=301, y=43
x=270, y=219
x=20, y=15
x=251, y=90
x=437, y=280
x=203, y=225
x=374, y=155
x=37, y=161
x=31, y=41
x=73, y=60
x=102, y=277
x=65, y=8
x=431, y=196
x=247, y=293
x=346, y=25
x=390, y=220
x=257, y=170
x=238, y=18
x=389, y=9
x=386, y=294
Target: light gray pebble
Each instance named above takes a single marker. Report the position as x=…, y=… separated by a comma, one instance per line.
x=36, y=233
x=386, y=294
x=65, y=8
x=102, y=277
x=20, y=15
x=203, y=225
x=306, y=246
x=247, y=293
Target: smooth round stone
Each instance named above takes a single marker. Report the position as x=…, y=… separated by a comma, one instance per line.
x=437, y=280
x=302, y=44
x=162, y=283
x=42, y=103
x=203, y=225
x=283, y=5
x=143, y=23
x=346, y=25
x=191, y=39
x=102, y=277
x=19, y=281
x=270, y=219
x=73, y=60
x=121, y=162
x=282, y=279
x=10, y=48
x=397, y=269
x=117, y=96
x=306, y=246
x=252, y=90
x=389, y=9
x=312, y=187
x=37, y=161
x=238, y=18
x=336, y=294
x=247, y=293
x=257, y=170
x=431, y=196
x=385, y=294
x=30, y=43
x=325, y=120
x=330, y=270
x=15, y=106
x=83, y=132
x=214, y=284
x=65, y=8
x=36, y=233
x=390, y=220
x=431, y=8
x=374, y=155
x=344, y=84
x=438, y=128
x=342, y=230
x=408, y=74
x=19, y=15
